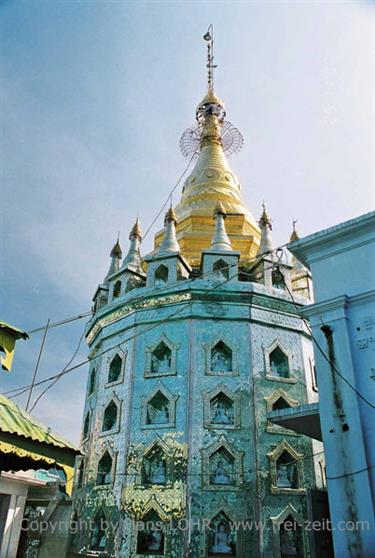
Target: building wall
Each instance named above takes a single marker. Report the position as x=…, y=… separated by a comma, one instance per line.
x=250, y=320
x=13, y=519
x=343, y=322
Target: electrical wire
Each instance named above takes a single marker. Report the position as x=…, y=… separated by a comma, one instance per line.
x=170, y=195
x=85, y=314
x=352, y=473
x=322, y=351
x=37, y=363
x=23, y=389
x=245, y=472
x=13, y=392
x=61, y=322
x=60, y=375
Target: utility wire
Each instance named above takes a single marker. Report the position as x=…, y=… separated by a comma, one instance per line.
x=13, y=392
x=85, y=314
x=170, y=195
x=61, y=322
x=322, y=351
x=352, y=473
x=157, y=324
x=246, y=472
x=276, y=266
x=60, y=375
x=37, y=364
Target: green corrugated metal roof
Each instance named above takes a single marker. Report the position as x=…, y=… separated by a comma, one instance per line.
x=15, y=330
x=15, y=420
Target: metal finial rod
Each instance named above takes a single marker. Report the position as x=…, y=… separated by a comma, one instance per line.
x=209, y=37
x=294, y=224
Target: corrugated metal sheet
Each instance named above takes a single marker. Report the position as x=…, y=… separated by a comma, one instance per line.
x=10, y=448
x=18, y=333
x=15, y=420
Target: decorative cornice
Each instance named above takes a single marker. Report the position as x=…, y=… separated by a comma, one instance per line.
x=129, y=308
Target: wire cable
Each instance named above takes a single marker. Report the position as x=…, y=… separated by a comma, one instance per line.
x=352, y=473
x=170, y=196
x=60, y=375
x=22, y=389
x=61, y=322
x=37, y=363
x=333, y=367
x=13, y=392
x=85, y=314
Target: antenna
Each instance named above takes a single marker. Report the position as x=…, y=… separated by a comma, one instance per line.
x=209, y=37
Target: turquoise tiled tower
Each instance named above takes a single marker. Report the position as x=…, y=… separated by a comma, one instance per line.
x=187, y=357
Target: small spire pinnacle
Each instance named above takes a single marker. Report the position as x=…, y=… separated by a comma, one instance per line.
x=294, y=236
x=220, y=240
x=264, y=220
x=132, y=259
x=169, y=242
x=116, y=251
x=136, y=231
x=220, y=210
x=115, y=255
x=170, y=216
x=265, y=223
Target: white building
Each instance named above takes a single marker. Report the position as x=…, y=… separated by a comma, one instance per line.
x=342, y=263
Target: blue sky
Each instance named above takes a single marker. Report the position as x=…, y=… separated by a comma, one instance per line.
x=95, y=96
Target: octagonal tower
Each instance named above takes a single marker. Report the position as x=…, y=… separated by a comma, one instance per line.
x=179, y=458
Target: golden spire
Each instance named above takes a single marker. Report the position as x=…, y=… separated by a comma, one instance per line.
x=209, y=37
x=212, y=181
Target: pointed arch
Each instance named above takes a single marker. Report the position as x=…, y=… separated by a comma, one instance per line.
x=278, y=362
x=111, y=416
x=298, y=538
x=221, y=357
x=86, y=426
x=115, y=368
x=159, y=408
x=116, y=290
x=222, y=466
x=155, y=464
x=134, y=282
x=80, y=471
x=105, y=470
x=151, y=540
x=221, y=408
x=279, y=399
x=161, y=275
x=286, y=469
x=221, y=538
x=98, y=540
x=92, y=382
x=221, y=269
x=278, y=279
x=161, y=358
